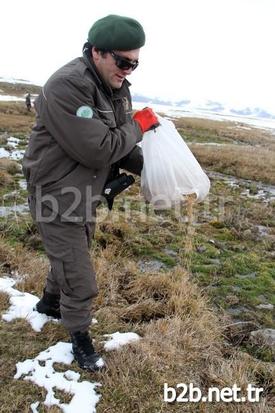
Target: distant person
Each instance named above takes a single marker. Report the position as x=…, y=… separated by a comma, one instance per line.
x=84, y=132
x=28, y=102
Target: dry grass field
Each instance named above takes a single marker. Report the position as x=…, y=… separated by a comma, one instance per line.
x=242, y=151
x=14, y=118
x=181, y=307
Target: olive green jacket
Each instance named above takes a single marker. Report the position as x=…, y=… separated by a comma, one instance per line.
x=72, y=150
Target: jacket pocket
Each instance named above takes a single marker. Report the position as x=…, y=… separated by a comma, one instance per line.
x=108, y=117
x=59, y=263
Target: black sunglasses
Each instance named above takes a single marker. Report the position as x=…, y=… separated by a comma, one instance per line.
x=123, y=63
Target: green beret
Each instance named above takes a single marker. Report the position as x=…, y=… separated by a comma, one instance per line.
x=116, y=33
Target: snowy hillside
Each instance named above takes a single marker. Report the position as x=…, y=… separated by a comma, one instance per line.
x=15, y=89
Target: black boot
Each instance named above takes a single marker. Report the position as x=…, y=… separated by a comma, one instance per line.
x=84, y=352
x=49, y=305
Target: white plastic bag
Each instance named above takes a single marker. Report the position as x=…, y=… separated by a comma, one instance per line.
x=170, y=169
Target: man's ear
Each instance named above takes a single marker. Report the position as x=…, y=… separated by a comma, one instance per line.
x=94, y=52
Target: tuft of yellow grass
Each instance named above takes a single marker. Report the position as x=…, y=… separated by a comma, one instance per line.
x=10, y=166
x=31, y=265
x=5, y=179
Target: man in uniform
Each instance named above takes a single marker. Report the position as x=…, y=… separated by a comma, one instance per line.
x=28, y=102
x=84, y=132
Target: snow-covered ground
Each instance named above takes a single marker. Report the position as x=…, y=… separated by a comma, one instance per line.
x=207, y=110
x=14, y=81
x=7, y=98
x=193, y=111
x=15, y=155
x=12, y=153
x=41, y=371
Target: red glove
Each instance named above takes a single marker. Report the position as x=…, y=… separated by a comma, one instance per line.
x=146, y=119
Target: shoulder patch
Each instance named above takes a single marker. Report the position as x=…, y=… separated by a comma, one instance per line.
x=84, y=112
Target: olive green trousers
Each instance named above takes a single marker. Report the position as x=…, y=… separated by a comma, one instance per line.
x=71, y=272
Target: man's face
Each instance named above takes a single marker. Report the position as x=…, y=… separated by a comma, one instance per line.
x=107, y=66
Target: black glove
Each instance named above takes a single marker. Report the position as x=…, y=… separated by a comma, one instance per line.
x=115, y=187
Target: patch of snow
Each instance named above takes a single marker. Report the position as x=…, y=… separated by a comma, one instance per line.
x=23, y=184
x=194, y=111
x=4, y=153
x=212, y=143
x=84, y=393
x=265, y=192
x=14, y=209
x=6, y=284
x=34, y=407
x=15, y=155
x=119, y=339
x=243, y=127
x=7, y=98
x=265, y=306
x=261, y=194
x=13, y=141
x=22, y=305
x=14, y=81
x=100, y=363
x=72, y=375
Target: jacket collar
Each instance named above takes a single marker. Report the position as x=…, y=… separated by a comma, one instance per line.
x=114, y=93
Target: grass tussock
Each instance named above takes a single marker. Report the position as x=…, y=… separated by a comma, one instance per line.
x=182, y=338
x=9, y=166
x=30, y=265
x=5, y=179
